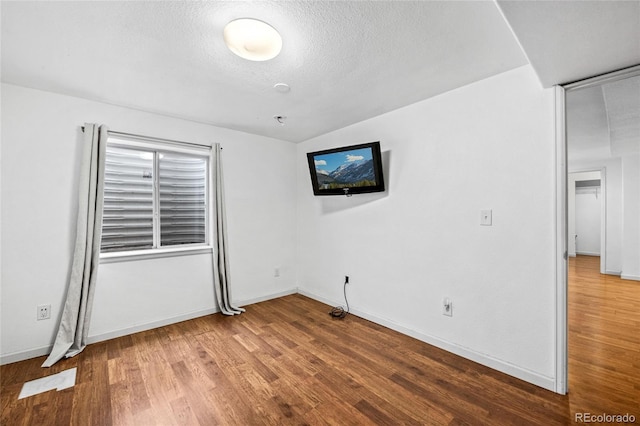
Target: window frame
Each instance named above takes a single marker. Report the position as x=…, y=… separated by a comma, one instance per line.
x=157, y=147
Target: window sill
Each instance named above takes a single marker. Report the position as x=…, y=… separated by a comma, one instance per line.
x=128, y=256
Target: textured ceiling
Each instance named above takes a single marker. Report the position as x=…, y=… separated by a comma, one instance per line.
x=587, y=127
x=622, y=100
x=567, y=41
x=603, y=121
x=345, y=61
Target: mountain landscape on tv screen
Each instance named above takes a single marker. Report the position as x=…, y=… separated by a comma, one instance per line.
x=356, y=173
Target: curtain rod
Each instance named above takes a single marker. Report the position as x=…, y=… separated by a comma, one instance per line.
x=153, y=138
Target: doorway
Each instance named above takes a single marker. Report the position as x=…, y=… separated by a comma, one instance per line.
x=598, y=131
x=586, y=215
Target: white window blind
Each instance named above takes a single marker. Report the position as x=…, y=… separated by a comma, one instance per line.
x=127, y=222
x=183, y=212
x=153, y=198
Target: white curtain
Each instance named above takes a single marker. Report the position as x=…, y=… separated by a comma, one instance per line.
x=74, y=324
x=220, y=245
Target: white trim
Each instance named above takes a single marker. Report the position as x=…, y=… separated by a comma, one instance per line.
x=603, y=220
x=561, y=216
x=28, y=354
x=156, y=147
x=150, y=325
x=587, y=253
x=45, y=350
x=268, y=297
x=604, y=78
x=126, y=256
x=484, y=359
x=150, y=141
x=159, y=146
x=561, y=355
x=630, y=277
x=155, y=201
x=179, y=318
x=616, y=273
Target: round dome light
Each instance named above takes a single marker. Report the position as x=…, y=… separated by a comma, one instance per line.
x=282, y=87
x=252, y=39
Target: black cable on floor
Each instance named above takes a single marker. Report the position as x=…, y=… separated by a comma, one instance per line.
x=339, y=311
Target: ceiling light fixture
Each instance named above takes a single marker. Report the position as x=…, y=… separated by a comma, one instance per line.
x=252, y=39
x=282, y=87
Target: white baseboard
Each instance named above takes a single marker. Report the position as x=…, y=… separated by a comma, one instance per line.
x=22, y=355
x=185, y=317
x=588, y=253
x=497, y=364
x=484, y=359
x=616, y=273
x=630, y=277
x=149, y=325
x=268, y=297
x=45, y=350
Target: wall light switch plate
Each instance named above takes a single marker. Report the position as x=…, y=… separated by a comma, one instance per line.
x=447, y=307
x=485, y=217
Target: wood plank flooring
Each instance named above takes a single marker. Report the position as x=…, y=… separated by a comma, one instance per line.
x=287, y=362
x=604, y=340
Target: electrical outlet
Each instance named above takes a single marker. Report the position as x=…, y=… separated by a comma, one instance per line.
x=44, y=312
x=447, y=307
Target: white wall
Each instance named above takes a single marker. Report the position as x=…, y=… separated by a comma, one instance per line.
x=489, y=145
x=572, y=211
x=613, y=215
x=613, y=209
x=41, y=144
x=631, y=217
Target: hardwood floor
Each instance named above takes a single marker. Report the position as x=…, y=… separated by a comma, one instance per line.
x=604, y=340
x=287, y=362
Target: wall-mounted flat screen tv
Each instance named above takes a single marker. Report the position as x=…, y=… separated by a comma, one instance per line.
x=347, y=170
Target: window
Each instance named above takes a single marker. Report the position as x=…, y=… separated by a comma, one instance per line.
x=155, y=197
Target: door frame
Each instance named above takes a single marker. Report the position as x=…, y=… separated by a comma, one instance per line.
x=603, y=210
x=561, y=247
x=562, y=251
